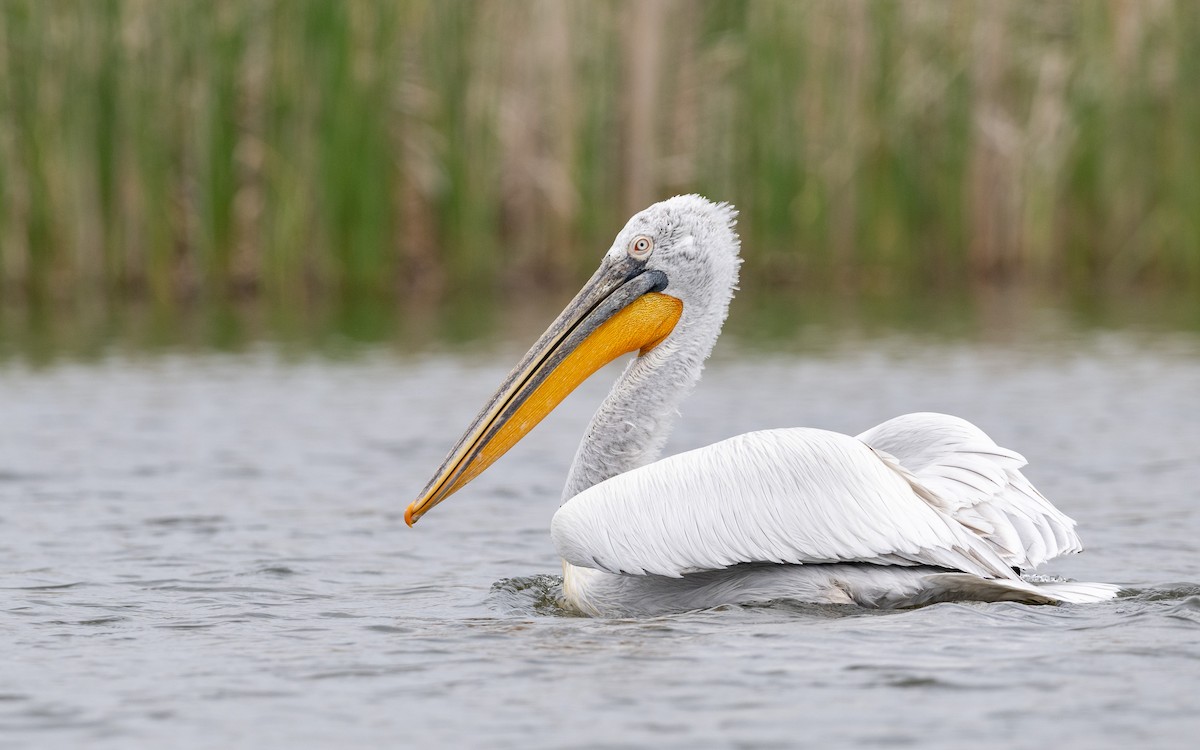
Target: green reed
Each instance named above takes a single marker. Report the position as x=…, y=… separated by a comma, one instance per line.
x=173, y=149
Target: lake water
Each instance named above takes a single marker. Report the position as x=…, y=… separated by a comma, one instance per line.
x=203, y=549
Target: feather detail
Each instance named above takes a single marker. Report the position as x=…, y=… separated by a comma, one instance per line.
x=979, y=484
x=783, y=496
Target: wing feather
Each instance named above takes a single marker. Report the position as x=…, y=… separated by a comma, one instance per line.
x=784, y=496
x=979, y=484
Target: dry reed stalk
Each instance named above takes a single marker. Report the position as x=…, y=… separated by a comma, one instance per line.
x=991, y=186
x=202, y=147
x=644, y=27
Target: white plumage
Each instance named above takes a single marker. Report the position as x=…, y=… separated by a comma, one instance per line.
x=780, y=496
x=979, y=484
x=813, y=505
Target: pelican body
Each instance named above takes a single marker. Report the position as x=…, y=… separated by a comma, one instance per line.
x=920, y=509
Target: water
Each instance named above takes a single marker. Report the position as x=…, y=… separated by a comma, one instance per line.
x=208, y=550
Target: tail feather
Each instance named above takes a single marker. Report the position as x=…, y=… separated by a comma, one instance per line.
x=943, y=587
x=1079, y=592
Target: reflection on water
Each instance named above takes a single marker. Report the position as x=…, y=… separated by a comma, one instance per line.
x=41, y=332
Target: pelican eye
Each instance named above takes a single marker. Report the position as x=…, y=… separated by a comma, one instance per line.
x=640, y=247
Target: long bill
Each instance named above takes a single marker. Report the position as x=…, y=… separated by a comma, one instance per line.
x=621, y=309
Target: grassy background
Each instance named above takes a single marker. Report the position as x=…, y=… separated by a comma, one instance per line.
x=298, y=150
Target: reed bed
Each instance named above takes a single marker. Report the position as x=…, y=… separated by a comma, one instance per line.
x=175, y=149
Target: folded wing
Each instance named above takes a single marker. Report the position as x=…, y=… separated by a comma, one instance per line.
x=979, y=484
x=783, y=496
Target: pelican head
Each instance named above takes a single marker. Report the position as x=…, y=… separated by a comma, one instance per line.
x=662, y=290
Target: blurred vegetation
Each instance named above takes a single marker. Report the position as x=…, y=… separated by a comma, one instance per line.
x=300, y=150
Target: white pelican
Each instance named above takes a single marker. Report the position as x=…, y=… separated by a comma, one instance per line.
x=923, y=508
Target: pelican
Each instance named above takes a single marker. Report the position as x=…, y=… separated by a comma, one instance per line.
x=923, y=508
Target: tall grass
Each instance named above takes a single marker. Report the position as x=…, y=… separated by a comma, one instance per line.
x=295, y=148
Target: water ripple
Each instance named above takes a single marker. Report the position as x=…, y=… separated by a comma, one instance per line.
x=243, y=577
